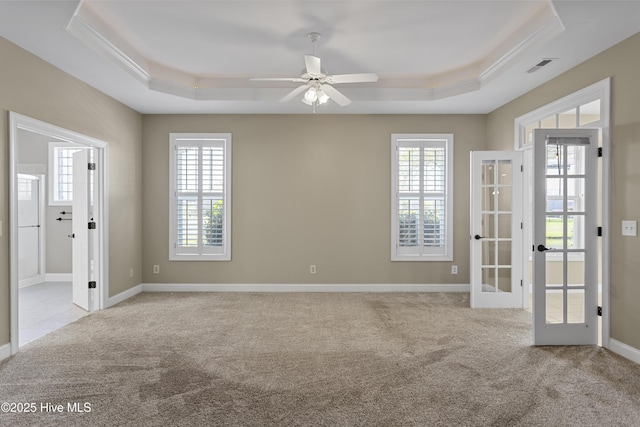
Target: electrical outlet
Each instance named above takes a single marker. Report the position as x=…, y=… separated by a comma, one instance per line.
x=312, y=269
x=630, y=228
x=131, y=272
x=454, y=269
x=156, y=269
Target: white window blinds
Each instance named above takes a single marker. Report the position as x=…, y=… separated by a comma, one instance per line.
x=201, y=200
x=422, y=197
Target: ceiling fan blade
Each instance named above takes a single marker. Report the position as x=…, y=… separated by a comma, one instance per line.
x=293, y=93
x=336, y=95
x=313, y=65
x=279, y=79
x=353, y=78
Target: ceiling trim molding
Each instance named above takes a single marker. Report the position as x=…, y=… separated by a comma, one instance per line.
x=99, y=36
x=86, y=33
x=548, y=30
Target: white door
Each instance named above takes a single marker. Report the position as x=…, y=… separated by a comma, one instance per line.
x=565, y=229
x=30, y=241
x=80, y=228
x=496, y=229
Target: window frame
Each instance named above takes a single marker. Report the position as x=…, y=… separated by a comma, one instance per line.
x=53, y=175
x=200, y=140
x=548, y=116
x=422, y=253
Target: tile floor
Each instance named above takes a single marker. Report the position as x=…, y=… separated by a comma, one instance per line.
x=45, y=307
x=555, y=306
x=575, y=309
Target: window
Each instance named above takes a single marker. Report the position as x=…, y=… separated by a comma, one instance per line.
x=61, y=173
x=422, y=197
x=200, y=196
x=584, y=109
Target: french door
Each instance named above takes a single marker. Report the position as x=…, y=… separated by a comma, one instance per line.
x=565, y=230
x=496, y=229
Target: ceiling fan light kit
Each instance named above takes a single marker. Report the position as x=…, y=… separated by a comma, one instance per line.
x=317, y=85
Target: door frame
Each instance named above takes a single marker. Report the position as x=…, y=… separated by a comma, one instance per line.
x=600, y=90
x=20, y=122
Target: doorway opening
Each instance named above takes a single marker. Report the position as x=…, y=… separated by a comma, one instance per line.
x=586, y=109
x=46, y=262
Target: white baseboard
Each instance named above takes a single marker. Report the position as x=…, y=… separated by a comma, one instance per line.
x=5, y=351
x=123, y=296
x=31, y=281
x=58, y=277
x=624, y=350
x=270, y=287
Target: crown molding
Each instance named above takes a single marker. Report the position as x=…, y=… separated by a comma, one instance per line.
x=89, y=35
x=91, y=30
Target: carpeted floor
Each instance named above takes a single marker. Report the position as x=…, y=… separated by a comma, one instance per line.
x=332, y=359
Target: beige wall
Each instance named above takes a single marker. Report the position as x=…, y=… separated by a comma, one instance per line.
x=306, y=190
x=34, y=88
x=622, y=64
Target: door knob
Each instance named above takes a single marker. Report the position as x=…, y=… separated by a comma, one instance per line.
x=478, y=237
x=542, y=248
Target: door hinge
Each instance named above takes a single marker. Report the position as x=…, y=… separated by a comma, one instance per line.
x=92, y=225
x=92, y=285
x=92, y=166
x=521, y=283
x=599, y=231
x=599, y=151
x=600, y=311
x=521, y=168
x=522, y=226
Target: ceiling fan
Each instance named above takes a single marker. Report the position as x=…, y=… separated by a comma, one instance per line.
x=316, y=84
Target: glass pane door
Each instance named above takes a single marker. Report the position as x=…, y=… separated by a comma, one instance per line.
x=565, y=260
x=496, y=232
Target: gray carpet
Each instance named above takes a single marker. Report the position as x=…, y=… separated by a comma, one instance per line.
x=259, y=359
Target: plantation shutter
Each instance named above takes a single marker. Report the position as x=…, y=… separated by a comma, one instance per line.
x=421, y=202
x=201, y=199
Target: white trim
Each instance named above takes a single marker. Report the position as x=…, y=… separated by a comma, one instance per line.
x=605, y=120
x=300, y=287
x=25, y=283
x=90, y=29
x=84, y=31
x=200, y=141
x=548, y=30
x=122, y=296
x=624, y=350
x=423, y=140
x=21, y=122
x=599, y=90
x=5, y=351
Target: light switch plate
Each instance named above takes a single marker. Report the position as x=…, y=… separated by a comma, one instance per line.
x=630, y=228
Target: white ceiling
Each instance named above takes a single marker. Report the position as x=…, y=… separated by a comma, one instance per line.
x=187, y=56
